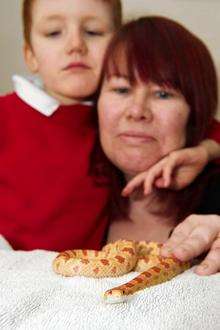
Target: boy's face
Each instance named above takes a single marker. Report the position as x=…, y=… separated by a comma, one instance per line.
x=68, y=42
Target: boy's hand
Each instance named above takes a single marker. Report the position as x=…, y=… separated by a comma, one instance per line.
x=175, y=171
x=194, y=236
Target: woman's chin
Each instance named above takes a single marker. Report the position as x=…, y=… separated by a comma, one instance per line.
x=132, y=167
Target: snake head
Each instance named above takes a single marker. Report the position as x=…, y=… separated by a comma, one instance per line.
x=114, y=296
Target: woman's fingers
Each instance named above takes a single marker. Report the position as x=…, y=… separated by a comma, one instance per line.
x=192, y=247
x=178, y=237
x=211, y=263
x=175, y=240
x=195, y=235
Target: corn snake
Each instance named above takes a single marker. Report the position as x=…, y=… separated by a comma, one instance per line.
x=119, y=258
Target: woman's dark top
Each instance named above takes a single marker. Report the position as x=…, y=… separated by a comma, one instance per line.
x=210, y=200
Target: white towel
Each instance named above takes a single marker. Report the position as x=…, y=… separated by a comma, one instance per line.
x=33, y=297
x=4, y=244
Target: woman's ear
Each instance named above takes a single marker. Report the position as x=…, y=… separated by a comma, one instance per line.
x=30, y=58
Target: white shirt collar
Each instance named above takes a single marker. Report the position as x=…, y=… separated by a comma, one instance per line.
x=30, y=90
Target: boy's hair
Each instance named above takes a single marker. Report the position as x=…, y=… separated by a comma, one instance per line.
x=27, y=16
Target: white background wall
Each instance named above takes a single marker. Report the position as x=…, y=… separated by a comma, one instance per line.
x=201, y=16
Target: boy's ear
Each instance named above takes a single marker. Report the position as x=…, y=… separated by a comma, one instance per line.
x=30, y=58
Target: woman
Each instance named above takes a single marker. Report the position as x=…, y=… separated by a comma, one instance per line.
x=159, y=94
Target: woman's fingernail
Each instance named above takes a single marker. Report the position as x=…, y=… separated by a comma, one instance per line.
x=166, y=251
x=203, y=266
x=181, y=250
x=203, y=269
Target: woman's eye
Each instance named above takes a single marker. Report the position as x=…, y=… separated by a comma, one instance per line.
x=121, y=90
x=163, y=94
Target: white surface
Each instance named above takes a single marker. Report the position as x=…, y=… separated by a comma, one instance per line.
x=33, y=297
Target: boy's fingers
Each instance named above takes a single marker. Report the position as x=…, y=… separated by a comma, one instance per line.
x=156, y=176
x=211, y=264
x=159, y=183
x=168, y=170
x=174, y=178
x=150, y=179
x=134, y=183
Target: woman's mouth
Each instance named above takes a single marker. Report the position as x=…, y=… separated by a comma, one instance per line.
x=131, y=137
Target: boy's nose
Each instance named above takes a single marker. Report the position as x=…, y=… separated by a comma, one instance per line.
x=75, y=43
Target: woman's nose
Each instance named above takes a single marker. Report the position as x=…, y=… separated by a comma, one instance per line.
x=140, y=111
x=75, y=43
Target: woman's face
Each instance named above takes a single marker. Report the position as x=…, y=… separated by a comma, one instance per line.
x=140, y=123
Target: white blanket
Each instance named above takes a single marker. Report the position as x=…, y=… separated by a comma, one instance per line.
x=33, y=297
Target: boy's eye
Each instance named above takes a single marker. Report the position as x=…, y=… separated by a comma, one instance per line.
x=94, y=33
x=53, y=33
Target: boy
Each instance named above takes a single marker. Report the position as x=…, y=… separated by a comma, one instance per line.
x=48, y=199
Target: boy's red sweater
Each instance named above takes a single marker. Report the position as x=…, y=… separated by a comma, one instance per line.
x=214, y=132
x=47, y=198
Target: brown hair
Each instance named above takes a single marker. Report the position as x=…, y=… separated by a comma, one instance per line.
x=27, y=16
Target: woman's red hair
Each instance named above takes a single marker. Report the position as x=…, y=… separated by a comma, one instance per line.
x=162, y=51
x=157, y=49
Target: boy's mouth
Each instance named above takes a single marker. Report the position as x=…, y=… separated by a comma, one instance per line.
x=76, y=65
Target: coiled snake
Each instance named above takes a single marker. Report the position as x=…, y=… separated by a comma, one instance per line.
x=117, y=259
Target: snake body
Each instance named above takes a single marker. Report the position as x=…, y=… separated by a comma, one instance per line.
x=119, y=258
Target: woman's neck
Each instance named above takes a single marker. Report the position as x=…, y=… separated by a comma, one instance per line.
x=143, y=223
x=144, y=209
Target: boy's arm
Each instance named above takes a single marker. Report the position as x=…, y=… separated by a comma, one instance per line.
x=214, y=131
x=179, y=168
x=214, y=135
x=175, y=171
x=213, y=149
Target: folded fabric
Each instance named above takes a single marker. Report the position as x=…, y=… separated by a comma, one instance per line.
x=32, y=296
x=4, y=244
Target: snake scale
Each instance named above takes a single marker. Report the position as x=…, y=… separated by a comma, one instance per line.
x=119, y=258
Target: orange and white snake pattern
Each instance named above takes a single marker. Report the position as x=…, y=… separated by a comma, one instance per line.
x=117, y=259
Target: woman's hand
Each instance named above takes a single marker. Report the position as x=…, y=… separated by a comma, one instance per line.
x=195, y=235
x=175, y=171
